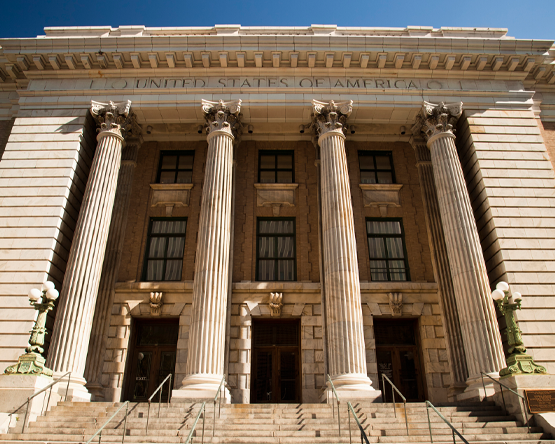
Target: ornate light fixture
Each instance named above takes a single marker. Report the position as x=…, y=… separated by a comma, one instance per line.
x=518, y=361
x=32, y=362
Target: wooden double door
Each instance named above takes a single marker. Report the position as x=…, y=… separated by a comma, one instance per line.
x=152, y=358
x=398, y=357
x=275, y=373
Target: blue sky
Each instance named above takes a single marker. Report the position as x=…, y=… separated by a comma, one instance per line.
x=525, y=19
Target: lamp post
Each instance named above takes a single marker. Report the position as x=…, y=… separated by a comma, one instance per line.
x=518, y=361
x=32, y=362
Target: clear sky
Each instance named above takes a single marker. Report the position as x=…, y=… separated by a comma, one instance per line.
x=525, y=19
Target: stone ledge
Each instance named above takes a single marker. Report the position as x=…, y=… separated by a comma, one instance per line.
x=392, y=287
x=254, y=287
x=170, y=195
x=381, y=195
x=275, y=195
x=141, y=287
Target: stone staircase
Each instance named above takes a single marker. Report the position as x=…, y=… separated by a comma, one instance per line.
x=274, y=424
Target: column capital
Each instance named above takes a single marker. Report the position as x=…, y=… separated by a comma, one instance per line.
x=115, y=119
x=435, y=121
x=330, y=117
x=223, y=118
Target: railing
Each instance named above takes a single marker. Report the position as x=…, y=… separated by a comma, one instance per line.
x=203, y=411
x=393, y=390
x=453, y=429
x=503, y=396
x=159, y=389
x=49, y=386
x=363, y=437
x=99, y=431
x=333, y=406
x=218, y=393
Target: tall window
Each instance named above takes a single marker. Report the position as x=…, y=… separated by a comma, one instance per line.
x=386, y=244
x=376, y=167
x=275, y=167
x=164, y=250
x=276, y=250
x=176, y=167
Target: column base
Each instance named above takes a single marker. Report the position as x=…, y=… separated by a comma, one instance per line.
x=350, y=387
x=455, y=390
x=14, y=391
x=75, y=391
x=199, y=388
x=96, y=390
x=476, y=391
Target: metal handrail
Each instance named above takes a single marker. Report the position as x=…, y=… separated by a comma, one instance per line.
x=219, y=407
x=503, y=396
x=49, y=386
x=333, y=407
x=99, y=431
x=190, y=437
x=362, y=432
x=393, y=387
x=159, y=398
x=453, y=429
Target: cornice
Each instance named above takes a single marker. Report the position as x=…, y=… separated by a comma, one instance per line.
x=415, y=51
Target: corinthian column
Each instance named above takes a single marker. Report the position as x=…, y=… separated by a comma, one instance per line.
x=72, y=328
x=480, y=332
x=205, y=359
x=110, y=267
x=346, y=351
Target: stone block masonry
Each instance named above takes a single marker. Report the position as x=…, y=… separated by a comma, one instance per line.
x=511, y=183
x=43, y=174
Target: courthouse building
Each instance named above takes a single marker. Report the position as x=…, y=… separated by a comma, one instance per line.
x=276, y=204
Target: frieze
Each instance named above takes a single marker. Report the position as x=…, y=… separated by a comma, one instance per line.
x=256, y=83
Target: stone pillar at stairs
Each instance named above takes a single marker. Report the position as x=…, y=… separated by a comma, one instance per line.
x=72, y=328
x=112, y=259
x=344, y=327
x=205, y=359
x=440, y=260
x=479, y=328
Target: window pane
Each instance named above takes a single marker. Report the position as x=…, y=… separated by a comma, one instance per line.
x=285, y=247
x=366, y=162
x=169, y=162
x=266, y=246
x=267, y=161
x=176, y=245
x=285, y=161
x=285, y=176
x=286, y=270
x=154, y=270
x=376, y=247
x=378, y=270
x=385, y=177
x=367, y=177
x=167, y=177
x=173, y=270
x=176, y=226
x=184, y=177
x=157, y=247
x=383, y=163
x=185, y=162
x=395, y=247
x=267, y=176
x=383, y=227
x=266, y=270
x=287, y=226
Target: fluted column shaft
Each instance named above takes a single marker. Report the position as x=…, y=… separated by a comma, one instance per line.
x=344, y=324
x=110, y=267
x=71, y=335
x=480, y=332
x=440, y=260
x=205, y=359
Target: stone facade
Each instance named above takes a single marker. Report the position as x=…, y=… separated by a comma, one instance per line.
x=466, y=116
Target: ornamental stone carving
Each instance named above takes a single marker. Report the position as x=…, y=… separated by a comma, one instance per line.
x=276, y=303
x=156, y=303
x=434, y=120
x=331, y=116
x=115, y=118
x=396, y=303
x=223, y=117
